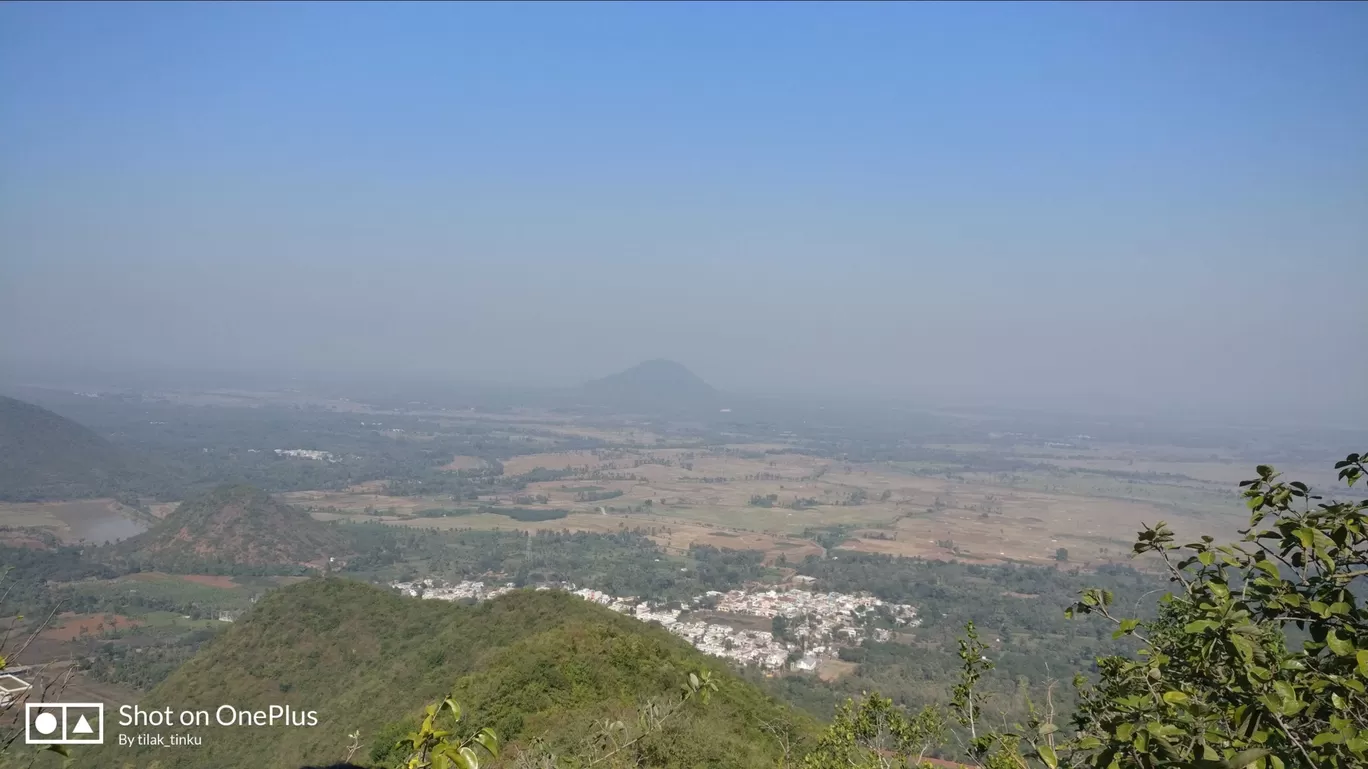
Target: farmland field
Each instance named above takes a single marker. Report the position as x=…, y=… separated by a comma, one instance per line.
x=765, y=496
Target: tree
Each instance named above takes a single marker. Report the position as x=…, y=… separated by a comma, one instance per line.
x=779, y=627
x=1218, y=681
x=1062, y=554
x=877, y=735
x=613, y=743
x=1257, y=659
x=432, y=747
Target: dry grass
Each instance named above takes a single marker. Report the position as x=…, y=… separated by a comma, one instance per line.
x=351, y=502
x=831, y=670
x=465, y=463
x=987, y=518
x=558, y=460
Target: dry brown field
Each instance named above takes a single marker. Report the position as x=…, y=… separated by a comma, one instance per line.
x=465, y=463
x=68, y=626
x=702, y=496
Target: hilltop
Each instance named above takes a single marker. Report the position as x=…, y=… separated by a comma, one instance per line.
x=652, y=383
x=234, y=529
x=47, y=456
x=527, y=664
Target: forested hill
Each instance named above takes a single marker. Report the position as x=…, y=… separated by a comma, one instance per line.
x=47, y=456
x=234, y=527
x=528, y=664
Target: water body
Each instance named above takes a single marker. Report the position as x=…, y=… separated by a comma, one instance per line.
x=111, y=529
x=96, y=521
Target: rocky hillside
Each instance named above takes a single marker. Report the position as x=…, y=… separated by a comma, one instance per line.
x=234, y=527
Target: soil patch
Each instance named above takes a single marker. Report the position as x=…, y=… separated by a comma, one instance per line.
x=68, y=626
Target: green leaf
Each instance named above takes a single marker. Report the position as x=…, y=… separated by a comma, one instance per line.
x=1175, y=698
x=488, y=741
x=1307, y=537
x=1285, y=691
x=1338, y=645
x=1245, y=758
x=1325, y=738
x=1198, y=626
x=1047, y=755
x=1363, y=662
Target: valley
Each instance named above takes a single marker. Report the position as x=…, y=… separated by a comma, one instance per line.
x=814, y=558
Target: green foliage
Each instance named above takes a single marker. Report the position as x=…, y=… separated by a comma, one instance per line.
x=1012, y=608
x=1218, y=681
x=433, y=747
x=877, y=735
x=967, y=702
x=626, y=563
x=529, y=665
x=47, y=456
x=621, y=744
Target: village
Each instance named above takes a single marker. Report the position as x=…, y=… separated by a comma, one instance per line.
x=812, y=626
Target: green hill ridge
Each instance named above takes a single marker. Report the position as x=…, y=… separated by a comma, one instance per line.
x=235, y=528
x=529, y=664
x=44, y=455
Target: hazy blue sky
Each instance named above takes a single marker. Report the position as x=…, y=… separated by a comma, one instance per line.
x=1146, y=202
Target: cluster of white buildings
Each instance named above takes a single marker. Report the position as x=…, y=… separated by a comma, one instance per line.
x=820, y=622
x=317, y=456
x=818, y=617
x=435, y=589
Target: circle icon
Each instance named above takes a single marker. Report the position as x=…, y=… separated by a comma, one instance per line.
x=45, y=723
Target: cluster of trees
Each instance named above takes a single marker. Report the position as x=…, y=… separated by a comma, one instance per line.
x=144, y=666
x=626, y=563
x=516, y=513
x=598, y=496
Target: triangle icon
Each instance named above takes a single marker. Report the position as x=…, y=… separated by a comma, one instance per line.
x=82, y=727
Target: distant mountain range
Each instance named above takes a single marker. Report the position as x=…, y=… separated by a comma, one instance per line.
x=654, y=383
x=47, y=456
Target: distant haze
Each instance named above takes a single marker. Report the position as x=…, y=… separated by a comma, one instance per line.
x=1148, y=206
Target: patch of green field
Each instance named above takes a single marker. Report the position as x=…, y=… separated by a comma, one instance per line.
x=129, y=595
x=169, y=619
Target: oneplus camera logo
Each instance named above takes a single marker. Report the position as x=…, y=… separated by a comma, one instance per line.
x=64, y=723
